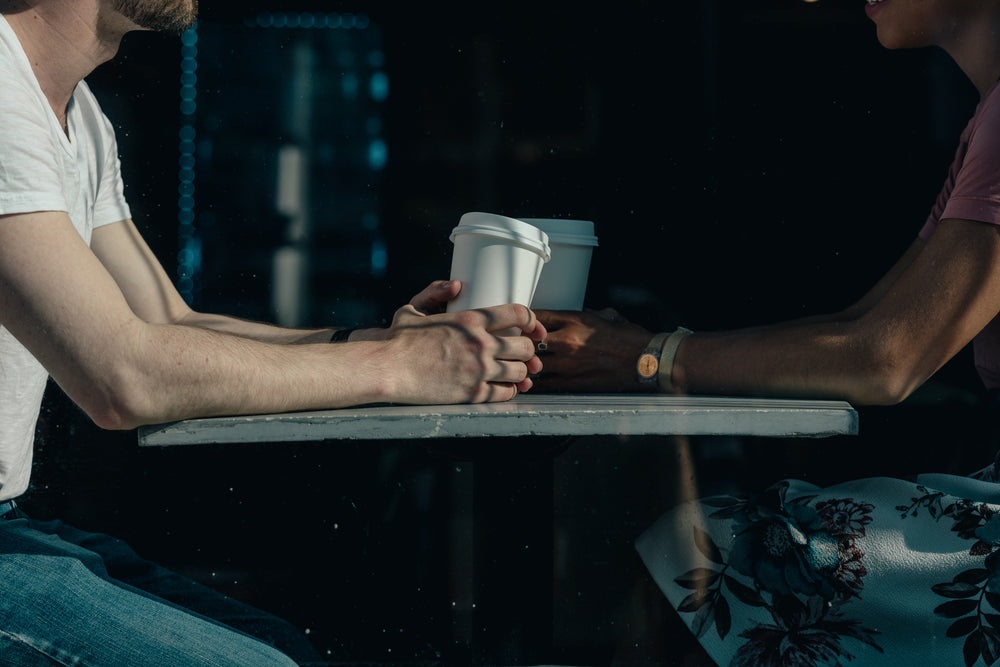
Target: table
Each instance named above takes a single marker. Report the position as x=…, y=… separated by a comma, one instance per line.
x=526, y=415
x=513, y=485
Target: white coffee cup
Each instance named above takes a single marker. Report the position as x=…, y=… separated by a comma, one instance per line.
x=497, y=259
x=563, y=283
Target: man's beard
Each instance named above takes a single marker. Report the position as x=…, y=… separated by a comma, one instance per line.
x=171, y=16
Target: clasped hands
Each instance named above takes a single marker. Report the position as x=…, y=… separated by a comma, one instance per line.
x=466, y=361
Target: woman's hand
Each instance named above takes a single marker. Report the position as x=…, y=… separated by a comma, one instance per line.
x=591, y=351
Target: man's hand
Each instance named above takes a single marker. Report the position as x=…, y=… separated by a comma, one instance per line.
x=431, y=300
x=457, y=358
x=435, y=297
x=590, y=352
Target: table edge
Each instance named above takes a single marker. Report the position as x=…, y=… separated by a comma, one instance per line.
x=539, y=415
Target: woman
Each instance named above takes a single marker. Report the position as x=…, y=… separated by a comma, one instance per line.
x=872, y=572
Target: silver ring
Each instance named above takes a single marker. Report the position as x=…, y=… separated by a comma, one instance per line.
x=541, y=346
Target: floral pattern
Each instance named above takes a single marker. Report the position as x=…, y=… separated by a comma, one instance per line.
x=973, y=594
x=804, y=566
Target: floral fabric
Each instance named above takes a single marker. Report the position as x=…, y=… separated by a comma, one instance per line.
x=871, y=572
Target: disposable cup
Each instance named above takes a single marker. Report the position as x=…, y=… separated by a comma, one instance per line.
x=563, y=283
x=498, y=259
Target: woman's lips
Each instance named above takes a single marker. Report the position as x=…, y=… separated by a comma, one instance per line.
x=874, y=7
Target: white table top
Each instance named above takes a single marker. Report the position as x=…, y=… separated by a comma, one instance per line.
x=528, y=414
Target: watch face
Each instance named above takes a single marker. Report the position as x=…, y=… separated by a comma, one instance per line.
x=647, y=365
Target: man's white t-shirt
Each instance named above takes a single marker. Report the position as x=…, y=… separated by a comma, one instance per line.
x=43, y=169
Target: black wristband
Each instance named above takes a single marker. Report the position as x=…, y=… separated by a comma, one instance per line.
x=341, y=335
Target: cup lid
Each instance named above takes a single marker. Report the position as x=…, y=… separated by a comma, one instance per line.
x=565, y=231
x=508, y=229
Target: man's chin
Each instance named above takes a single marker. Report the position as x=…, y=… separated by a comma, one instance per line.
x=171, y=17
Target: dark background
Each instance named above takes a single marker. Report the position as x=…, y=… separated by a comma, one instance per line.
x=743, y=162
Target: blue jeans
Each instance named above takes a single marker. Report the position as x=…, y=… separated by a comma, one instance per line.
x=68, y=597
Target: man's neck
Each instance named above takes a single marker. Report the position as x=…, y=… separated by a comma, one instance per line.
x=64, y=41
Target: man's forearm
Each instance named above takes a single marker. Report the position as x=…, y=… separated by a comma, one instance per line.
x=165, y=372
x=178, y=372
x=259, y=331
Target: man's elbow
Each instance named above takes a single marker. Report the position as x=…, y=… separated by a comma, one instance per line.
x=119, y=404
x=113, y=414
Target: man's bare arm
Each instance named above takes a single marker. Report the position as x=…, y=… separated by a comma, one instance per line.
x=126, y=368
x=152, y=296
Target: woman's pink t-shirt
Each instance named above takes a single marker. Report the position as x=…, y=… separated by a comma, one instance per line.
x=972, y=192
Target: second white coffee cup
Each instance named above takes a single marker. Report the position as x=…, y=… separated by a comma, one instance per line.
x=563, y=283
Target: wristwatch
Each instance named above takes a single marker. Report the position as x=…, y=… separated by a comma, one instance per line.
x=648, y=365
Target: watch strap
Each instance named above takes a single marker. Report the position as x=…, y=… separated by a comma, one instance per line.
x=341, y=335
x=666, y=367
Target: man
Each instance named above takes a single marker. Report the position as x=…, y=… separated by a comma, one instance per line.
x=83, y=299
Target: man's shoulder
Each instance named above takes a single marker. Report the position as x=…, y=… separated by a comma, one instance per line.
x=16, y=79
x=16, y=90
x=14, y=67
x=21, y=105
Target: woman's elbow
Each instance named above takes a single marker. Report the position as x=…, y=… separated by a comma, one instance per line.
x=887, y=381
